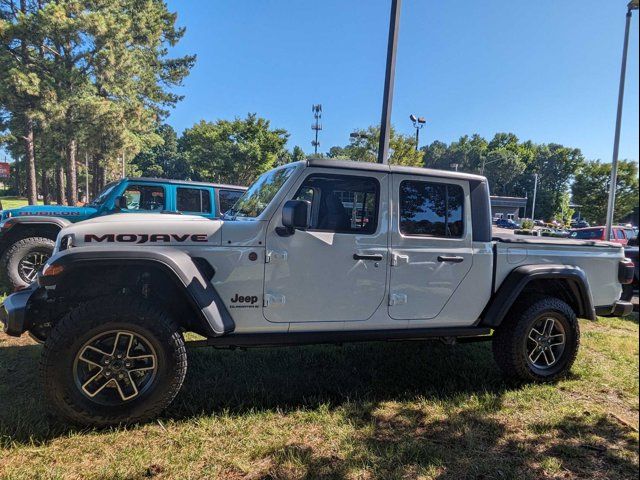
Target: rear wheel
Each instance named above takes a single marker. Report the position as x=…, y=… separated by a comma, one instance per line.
x=24, y=259
x=112, y=361
x=539, y=340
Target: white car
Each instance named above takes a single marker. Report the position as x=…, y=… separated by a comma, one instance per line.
x=314, y=252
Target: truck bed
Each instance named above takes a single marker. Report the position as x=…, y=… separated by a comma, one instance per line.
x=506, y=238
x=595, y=258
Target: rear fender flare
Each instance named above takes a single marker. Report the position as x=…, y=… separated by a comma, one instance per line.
x=515, y=283
x=213, y=314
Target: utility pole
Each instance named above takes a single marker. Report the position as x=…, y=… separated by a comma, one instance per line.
x=86, y=176
x=390, y=73
x=535, y=191
x=317, y=126
x=633, y=5
x=122, y=163
x=418, y=123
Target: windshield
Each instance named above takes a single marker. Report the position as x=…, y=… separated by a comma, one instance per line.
x=102, y=196
x=256, y=199
x=595, y=234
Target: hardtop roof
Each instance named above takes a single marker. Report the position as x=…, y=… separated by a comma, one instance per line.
x=184, y=182
x=378, y=167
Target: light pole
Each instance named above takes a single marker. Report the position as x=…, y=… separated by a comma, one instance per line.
x=535, y=191
x=455, y=166
x=390, y=73
x=485, y=163
x=418, y=123
x=633, y=5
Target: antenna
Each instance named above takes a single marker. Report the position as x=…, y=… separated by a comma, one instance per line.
x=317, y=126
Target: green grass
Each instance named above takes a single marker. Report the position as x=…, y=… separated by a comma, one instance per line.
x=365, y=411
x=12, y=202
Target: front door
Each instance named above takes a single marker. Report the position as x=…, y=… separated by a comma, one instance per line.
x=336, y=270
x=431, y=250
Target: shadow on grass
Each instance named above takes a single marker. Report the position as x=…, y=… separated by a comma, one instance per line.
x=469, y=442
x=283, y=379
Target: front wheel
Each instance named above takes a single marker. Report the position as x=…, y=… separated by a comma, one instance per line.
x=539, y=340
x=113, y=361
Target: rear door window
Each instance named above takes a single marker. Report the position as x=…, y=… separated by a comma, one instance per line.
x=197, y=200
x=431, y=209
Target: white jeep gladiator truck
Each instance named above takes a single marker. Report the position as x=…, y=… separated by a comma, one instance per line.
x=314, y=252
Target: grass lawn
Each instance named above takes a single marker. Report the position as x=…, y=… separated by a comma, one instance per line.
x=13, y=202
x=374, y=410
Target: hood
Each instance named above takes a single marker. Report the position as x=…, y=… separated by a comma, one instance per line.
x=73, y=214
x=146, y=230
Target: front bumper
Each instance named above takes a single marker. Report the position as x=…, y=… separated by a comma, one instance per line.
x=13, y=311
x=618, y=309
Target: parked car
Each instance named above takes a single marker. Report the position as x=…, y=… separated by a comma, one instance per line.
x=507, y=223
x=27, y=234
x=631, y=252
x=294, y=262
x=618, y=234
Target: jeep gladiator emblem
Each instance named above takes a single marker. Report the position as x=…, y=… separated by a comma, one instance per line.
x=145, y=237
x=249, y=301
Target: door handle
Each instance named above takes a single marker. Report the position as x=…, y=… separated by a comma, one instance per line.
x=450, y=259
x=375, y=257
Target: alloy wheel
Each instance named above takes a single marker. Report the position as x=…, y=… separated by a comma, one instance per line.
x=545, y=343
x=115, y=367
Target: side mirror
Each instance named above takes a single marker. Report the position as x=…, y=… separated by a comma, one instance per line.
x=296, y=215
x=121, y=202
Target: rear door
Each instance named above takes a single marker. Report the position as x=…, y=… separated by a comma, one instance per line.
x=431, y=250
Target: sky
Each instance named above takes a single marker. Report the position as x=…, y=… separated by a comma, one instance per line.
x=546, y=70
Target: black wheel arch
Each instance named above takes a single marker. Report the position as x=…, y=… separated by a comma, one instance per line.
x=180, y=283
x=17, y=228
x=565, y=282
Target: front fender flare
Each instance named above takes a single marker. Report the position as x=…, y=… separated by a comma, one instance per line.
x=514, y=284
x=178, y=264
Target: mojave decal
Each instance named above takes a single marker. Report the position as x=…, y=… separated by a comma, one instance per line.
x=146, y=237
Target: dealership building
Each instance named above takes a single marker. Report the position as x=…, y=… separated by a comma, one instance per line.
x=512, y=208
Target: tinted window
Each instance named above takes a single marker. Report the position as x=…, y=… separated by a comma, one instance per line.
x=341, y=203
x=228, y=198
x=145, y=197
x=594, y=234
x=194, y=200
x=431, y=209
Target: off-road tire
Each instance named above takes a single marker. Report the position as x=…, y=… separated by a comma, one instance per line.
x=510, y=339
x=103, y=315
x=15, y=253
x=628, y=290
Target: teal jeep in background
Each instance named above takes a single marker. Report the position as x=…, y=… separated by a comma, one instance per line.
x=27, y=234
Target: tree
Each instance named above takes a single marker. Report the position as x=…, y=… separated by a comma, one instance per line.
x=364, y=148
x=502, y=166
x=590, y=190
x=23, y=79
x=91, y=74
x=163, y=160
x=235, y=151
